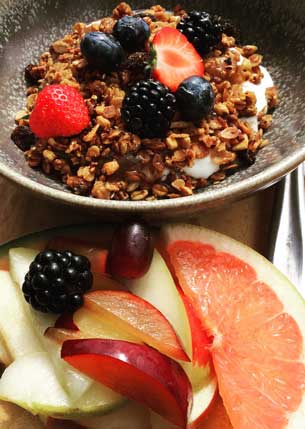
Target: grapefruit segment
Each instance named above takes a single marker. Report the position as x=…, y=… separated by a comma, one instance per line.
x=257, y=320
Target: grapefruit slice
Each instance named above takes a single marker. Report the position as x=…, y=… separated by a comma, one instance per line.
x=257, y=319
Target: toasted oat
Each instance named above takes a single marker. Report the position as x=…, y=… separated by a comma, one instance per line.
x=107, y=162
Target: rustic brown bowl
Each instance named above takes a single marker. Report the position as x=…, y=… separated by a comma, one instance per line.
x=27, y=27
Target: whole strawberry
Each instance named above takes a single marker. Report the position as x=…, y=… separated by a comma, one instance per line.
x=60, y=111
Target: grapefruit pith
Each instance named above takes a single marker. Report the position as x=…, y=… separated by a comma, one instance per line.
x=257, y=319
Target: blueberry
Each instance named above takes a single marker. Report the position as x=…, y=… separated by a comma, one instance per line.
x=102, y=51
x=132, y=32
x=195, y=98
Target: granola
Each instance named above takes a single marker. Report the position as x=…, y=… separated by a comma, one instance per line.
x=108, y=162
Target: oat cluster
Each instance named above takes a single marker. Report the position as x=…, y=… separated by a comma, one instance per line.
x=107, y=162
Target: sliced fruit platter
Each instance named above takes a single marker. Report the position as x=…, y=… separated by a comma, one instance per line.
x=132, y=327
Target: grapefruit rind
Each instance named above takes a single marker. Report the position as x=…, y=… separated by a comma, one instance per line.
x=292, y=302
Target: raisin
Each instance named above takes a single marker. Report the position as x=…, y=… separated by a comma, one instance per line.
x=23, y=137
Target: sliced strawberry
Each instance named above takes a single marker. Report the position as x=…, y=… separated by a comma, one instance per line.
x=176, y=58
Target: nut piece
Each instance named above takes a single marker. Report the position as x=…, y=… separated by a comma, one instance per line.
x=49, y=155
x=139, y=195
x=103, y=122
x=179, y=184
x=100, y=191
x=229, y=133
x=160, y=190
x=110, y=167
x=90, y=136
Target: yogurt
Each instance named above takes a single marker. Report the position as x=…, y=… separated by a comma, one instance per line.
x=202, y=168
x=260, y=93
x=205, y=167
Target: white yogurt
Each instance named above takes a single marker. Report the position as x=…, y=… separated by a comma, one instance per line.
x=205, y=167
x=260, y=93
x=202, y=168
x=260, y=90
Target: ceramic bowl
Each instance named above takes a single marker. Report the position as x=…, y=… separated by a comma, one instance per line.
x=276, y=26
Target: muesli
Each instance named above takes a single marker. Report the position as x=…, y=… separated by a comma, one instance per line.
x=146, y=105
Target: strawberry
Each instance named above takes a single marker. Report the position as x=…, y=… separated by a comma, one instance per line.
x=176, y=58
x=60, y=111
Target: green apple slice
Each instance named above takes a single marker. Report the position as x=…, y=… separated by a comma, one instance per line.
x=31, y=383
x=158, y=288
x=15, y=324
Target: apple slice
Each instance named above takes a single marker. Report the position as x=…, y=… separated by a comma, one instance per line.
x=204, y=388
x=159, y=289
x=20, y=259
x=5, y=357
x=97, y=256
x=15, y=324
x=137, y=317
x=36, y=323
x=135, y=371
x=30, y=382
x=29, y=327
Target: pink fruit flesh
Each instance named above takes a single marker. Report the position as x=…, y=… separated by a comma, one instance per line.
x=201, y=342
x=131, y=251
x=258, y=347
x=138, y=317
x=135, y=371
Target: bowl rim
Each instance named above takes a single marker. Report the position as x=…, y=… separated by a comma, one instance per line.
x=234, y=191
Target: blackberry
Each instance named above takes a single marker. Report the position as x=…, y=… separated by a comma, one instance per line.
x=204, y=30
x=148, y=109
x=56, y=281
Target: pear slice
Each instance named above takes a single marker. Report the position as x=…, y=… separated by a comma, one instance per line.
x=159, y=289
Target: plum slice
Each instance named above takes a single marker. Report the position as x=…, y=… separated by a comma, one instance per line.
x=137, y=317
x=136, y=371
